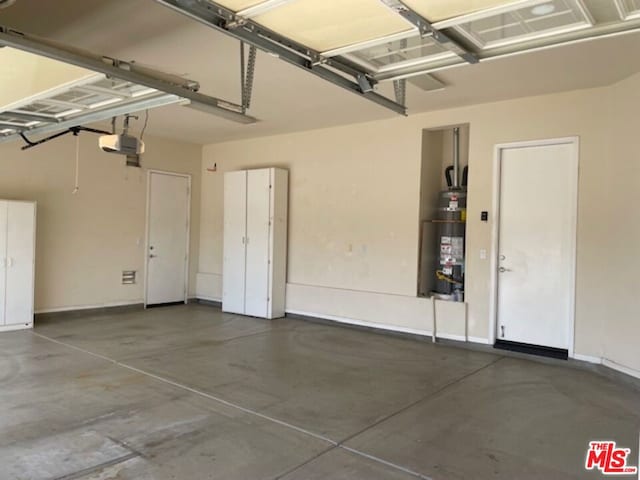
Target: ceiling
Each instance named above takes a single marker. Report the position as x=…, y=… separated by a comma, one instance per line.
x=287, y=99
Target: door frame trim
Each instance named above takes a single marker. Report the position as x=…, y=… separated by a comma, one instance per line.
x=146, y=234
x=495, y=229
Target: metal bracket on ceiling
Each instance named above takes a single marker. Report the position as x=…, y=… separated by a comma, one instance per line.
x=74, y=130
x=333, y=70
x=236, y=22
x=128, y=71
x=400, y=90
x=425, y=28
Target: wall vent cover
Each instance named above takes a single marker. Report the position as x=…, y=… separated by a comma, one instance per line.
x=128, y=277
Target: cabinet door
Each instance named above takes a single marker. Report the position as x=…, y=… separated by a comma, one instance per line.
x=278, y=275
x=3, y=258
x=235, y=226
x=258, y=208
x=20, y=263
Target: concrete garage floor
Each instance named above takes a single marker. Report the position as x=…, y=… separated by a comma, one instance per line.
x=188, y=392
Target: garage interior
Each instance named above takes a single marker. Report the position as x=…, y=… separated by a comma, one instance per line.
x=305, y=239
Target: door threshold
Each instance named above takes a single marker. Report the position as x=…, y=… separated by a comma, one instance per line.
x=539, y=350
x=166, y=304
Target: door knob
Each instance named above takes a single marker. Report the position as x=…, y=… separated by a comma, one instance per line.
x=502, y=257
x=502, y=269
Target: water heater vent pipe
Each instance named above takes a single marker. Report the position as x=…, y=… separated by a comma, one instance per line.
x=456, y=158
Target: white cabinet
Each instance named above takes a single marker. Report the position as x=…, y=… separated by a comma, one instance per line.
x=17, y=259
x=255, y=242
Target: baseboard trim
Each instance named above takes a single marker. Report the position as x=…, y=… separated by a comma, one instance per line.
x=621, y=368
x=166, y=304
x=586, y=358
x=531, y=349
x=15, y=328
x=362, y=323
x=480, y=340
x=205, y=298
x=449, y=336
x=88, y=310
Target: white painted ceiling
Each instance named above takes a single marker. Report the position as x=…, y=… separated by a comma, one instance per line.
x=287, y=99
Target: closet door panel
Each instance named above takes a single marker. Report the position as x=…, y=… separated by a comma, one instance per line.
x=235, y=224
x=3, y=259
x=20, y=263
x=279, y=206
x=258, y=245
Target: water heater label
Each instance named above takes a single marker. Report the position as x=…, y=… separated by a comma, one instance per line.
x=457, y=248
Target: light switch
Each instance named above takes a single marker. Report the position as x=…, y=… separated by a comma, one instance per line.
x=483, y=254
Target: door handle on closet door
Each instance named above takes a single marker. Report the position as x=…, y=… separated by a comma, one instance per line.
x=10, y=262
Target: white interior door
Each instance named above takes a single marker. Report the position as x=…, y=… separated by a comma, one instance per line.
x=3, y=259
x=536, y=254
x=258, y=217
x=235, y=232
x=168, y=238
x=20, y=263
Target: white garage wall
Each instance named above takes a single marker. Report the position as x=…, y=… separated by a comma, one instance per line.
x=619, y=230
x=354, y=207
x=84, y=241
